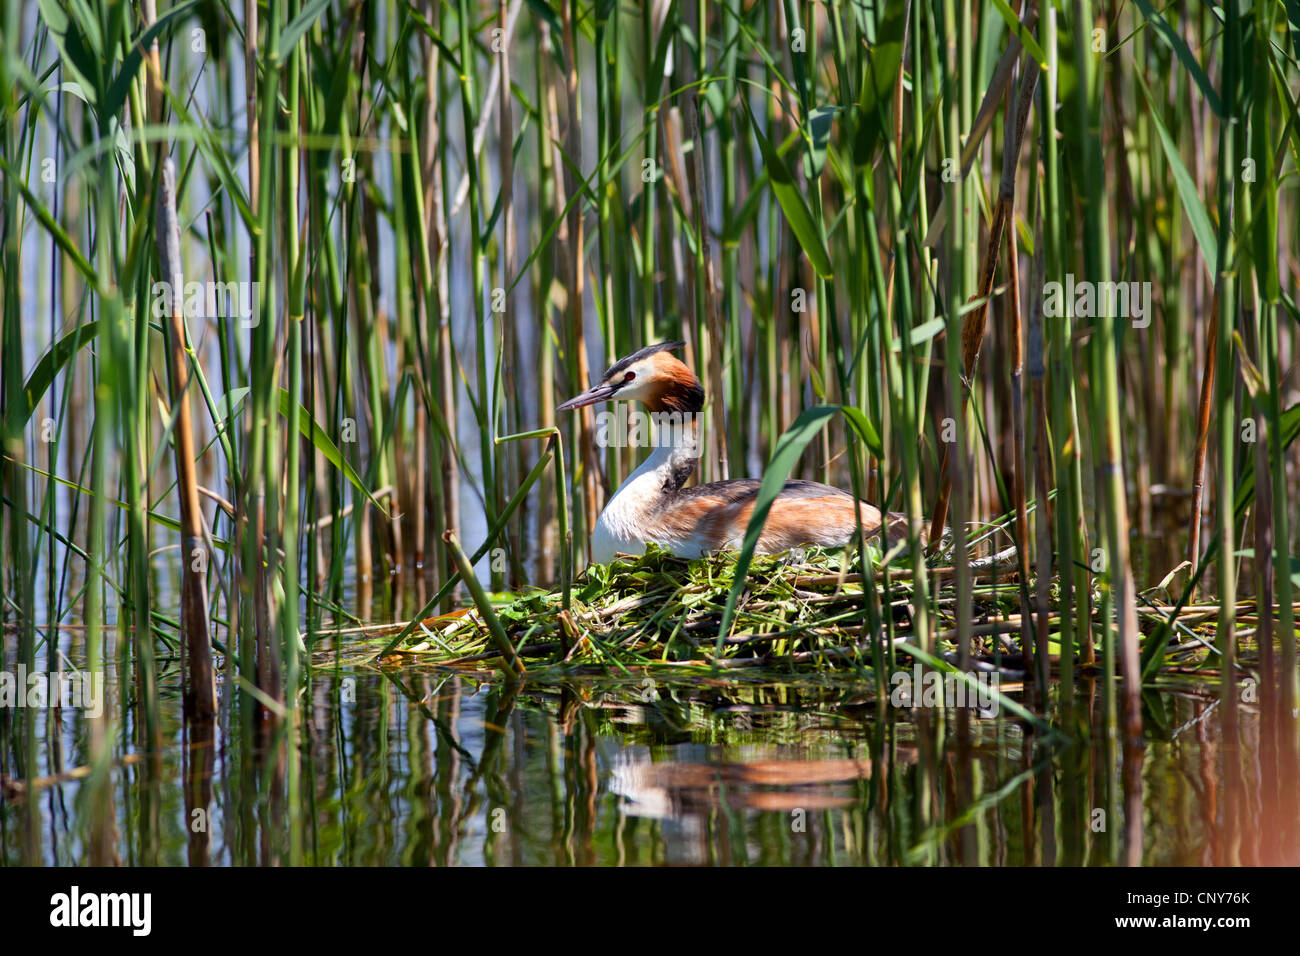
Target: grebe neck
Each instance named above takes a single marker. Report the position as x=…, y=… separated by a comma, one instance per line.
x=677, y=439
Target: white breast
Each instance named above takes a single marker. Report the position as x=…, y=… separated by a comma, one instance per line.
x=629, y=518
x=621, y=526
x=635, y=513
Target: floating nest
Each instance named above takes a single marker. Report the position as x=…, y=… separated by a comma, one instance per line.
x=805, y=610
x=802, y=612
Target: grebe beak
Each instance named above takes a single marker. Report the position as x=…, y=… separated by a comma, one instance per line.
x=597, y=393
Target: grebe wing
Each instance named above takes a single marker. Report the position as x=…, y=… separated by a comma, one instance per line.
x=716, y=515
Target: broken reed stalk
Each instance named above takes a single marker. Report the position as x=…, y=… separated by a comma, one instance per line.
x=200, y=681
x=975, y=321
x=511, y=665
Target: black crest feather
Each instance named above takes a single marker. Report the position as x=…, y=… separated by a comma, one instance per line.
x=621, y=366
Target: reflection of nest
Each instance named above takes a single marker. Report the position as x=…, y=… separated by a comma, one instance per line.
x=676, y=789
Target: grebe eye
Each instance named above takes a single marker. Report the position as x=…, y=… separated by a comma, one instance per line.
x=629, y=376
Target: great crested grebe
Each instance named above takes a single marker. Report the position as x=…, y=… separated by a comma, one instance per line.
x=653, y=504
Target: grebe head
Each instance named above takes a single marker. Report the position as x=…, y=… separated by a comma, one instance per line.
x=651, y=376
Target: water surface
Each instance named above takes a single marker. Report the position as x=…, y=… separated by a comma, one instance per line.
x=421, y=767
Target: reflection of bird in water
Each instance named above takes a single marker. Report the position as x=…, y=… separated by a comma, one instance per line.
x=672, y=789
